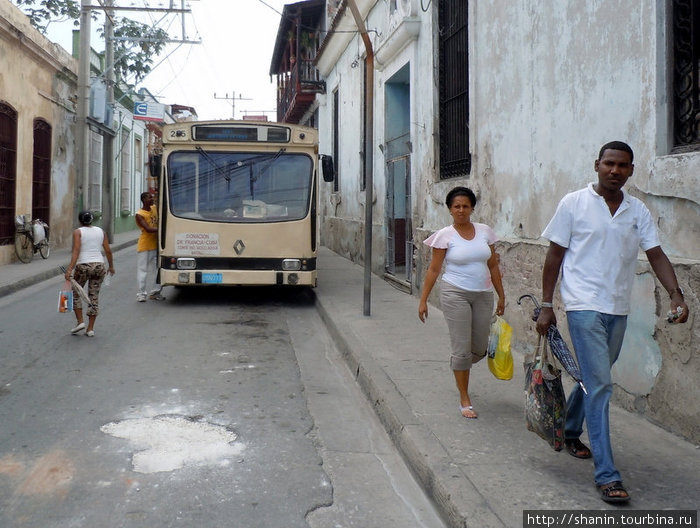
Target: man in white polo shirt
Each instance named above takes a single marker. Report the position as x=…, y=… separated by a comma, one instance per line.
x=595, y=235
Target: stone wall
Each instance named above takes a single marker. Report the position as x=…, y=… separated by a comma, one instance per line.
x=657, y=372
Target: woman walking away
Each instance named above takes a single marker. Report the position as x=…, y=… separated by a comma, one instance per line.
x=466, y=290
x=87, y=265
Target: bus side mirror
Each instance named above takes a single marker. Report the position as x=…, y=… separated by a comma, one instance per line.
x=327, y=168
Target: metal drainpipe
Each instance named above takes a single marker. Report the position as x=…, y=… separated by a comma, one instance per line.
x=368, y=153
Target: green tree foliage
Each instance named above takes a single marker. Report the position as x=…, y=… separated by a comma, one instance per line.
x=135, y=45
x=42, y=12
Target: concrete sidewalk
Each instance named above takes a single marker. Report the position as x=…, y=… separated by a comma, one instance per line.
x=480, y=473
x=483, y=472
x=18, y=275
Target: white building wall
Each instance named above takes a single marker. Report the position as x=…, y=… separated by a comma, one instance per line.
x=127, y=129
x=549, y=84
x=399, y=38
x=549, y=87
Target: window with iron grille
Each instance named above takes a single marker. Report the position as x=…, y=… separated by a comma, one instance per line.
x=8, y=172
x=95, y=171
x=455, y=158
x=336, y=141
x=686, y=75
x=125, y=172
x=138, y=160
x=41, y=171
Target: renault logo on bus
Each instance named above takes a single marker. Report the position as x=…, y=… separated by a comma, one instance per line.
x=239, y=246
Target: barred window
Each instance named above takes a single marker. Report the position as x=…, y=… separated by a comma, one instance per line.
x=125, y=172
x=336, y=140
x=95, y=172
x=8, y=172
x=455, y=158
x=686, y=75
x=41, y=171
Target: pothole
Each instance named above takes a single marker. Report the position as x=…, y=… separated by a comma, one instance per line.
x=171, y=442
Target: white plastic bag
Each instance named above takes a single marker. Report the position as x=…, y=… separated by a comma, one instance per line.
x=39, y=232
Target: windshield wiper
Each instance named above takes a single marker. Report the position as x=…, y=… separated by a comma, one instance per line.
x=249, y=162
x=213, y=162
x=242, y=164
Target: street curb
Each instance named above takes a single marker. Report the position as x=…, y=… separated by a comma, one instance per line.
x=448, y=487
x=48, y=274
x=29, y=281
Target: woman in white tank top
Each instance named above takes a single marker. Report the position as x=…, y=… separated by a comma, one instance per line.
x=87, y=266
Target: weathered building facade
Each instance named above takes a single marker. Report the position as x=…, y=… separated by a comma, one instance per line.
x=133, y=138
x=38, y=123
x=514, y=99
x=38, y=81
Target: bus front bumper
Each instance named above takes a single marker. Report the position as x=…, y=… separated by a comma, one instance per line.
x=237, y=278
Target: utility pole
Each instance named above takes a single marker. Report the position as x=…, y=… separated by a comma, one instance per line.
x=84, y=124
x=369, y=153
x=108, y=139
x=83, y=132
x=233, y=101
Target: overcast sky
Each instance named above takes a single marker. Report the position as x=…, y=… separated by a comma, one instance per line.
x=234, y=57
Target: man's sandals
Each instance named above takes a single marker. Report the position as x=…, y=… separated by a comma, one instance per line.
x=613, y=492
x=576, y=448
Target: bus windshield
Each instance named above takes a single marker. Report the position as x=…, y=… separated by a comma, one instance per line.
x=239, y=186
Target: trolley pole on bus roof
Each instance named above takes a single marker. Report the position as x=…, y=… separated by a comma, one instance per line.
x=368, y=154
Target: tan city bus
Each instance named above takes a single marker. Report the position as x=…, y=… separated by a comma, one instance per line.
x=238, y=203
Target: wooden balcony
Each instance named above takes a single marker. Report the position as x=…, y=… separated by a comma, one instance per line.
x=296, y=91
x=298, y=80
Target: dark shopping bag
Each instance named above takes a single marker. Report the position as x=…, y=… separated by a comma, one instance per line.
x=545, y=401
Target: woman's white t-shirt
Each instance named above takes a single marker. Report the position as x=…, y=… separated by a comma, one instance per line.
x=91, y=240
x=465, y=260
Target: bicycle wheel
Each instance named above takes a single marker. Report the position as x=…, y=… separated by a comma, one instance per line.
x=44, y=248
x=24, y=247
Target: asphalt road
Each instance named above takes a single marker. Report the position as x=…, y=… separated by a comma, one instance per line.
x=190, y=412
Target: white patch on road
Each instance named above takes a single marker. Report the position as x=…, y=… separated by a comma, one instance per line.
x=234, y=369
x=167, y=443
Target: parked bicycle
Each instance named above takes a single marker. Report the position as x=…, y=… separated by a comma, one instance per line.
x=30, y=237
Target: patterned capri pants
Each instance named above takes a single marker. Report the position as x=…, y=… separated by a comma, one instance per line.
x=468, y=316
x=93, y=273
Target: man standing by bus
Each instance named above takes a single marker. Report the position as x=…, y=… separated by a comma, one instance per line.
x=146, y=251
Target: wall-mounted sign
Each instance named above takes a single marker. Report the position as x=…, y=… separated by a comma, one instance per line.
x=149, y=111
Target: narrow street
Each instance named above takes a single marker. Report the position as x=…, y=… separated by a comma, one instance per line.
x=192, y=411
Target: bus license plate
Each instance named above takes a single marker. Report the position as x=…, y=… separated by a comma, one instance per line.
x=212, y=278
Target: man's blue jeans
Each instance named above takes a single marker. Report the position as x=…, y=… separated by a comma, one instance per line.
x=597, y=340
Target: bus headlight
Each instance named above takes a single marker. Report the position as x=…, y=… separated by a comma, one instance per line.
x=291, y=264
x=186, y=263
